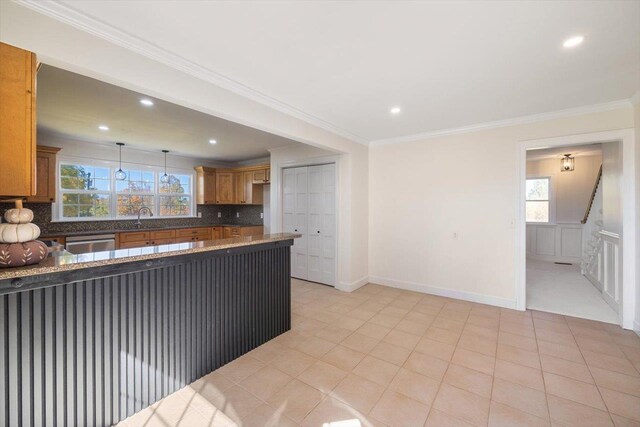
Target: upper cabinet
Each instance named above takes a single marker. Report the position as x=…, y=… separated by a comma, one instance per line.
x=45, y=175
x=205, y=185
x=239, y=186
x=17, y=121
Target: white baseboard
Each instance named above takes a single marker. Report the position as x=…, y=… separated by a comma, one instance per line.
x=636, y=327
x=350, y=287
x=444, y=292
x=552, y=258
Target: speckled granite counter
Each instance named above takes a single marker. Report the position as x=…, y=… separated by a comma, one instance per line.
x=66, y=261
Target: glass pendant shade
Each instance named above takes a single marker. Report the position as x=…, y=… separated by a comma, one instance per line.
x=165, y=178
x=120, y=174
x=567, y=163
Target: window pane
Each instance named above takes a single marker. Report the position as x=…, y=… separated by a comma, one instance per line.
x=537, y=211
x=129, y=205
x=84, y=177
x=538, y=189
x=175, y=205
x=178, y=184
x=85, y=205
x=134, y=183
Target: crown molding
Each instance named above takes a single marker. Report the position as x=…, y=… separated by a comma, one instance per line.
x=81, y=21
x=607, y=106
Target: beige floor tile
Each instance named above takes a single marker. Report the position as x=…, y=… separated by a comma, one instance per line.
x=438, y=418
x=315, y=347
x=349, y=323
x=616, y=364
x=553, y=326
x=267, y=352
x=556, y=338
x=334, y=412
x=448, y=324
x=619, y=421
x=358, y=392
x=401, y=339
x=343, y=357
x=476, y=361
x=520, y=397
x=519, y=374
x=376, y=370
x=501, y=415
x=468, y=379
x=566, y=368
x=390, y=353
x=235, y=402
x=322, y=376
x=462, y=404
x=569, y=413
x=293, y=362
x=435, y=348
x=616, y=381
x=193, y=418
x=362, y=314
x=483, y=321
x=519, y=356
x=481, y=331
x=412, y=327
x=385, y=320
x=359, y=342
x=622, y=404
x=333, y=334
x=241, y=368
x=267, y=416
x=517, y=328
x=571, y=389
x=608, y=347
x=265, y=382
x=296, y=400
x=429, y=366
x=415, y=385
x=518, y=341
x=570, y=353
x=443, y=335
x=478, y=344
x=213, y=380
x=374, y=331
x=395, y=409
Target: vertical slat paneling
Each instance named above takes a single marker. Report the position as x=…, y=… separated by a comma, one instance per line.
x=91, y=353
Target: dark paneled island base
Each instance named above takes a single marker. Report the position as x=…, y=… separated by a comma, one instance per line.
x=112, y=340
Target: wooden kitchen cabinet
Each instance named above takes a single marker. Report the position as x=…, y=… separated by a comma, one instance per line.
x=137, y=239
x=46, y=173
x=225, y=194
x=205, y=185
x=262, y=176
x=247, y=193
x=216, y=233
x=230, y=232
x=17, y=121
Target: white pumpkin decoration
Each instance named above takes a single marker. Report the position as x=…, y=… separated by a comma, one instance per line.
x=19, y=215
x=18, y=233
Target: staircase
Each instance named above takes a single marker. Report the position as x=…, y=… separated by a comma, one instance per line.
x=592, y=237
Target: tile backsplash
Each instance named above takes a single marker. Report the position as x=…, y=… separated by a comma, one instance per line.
x=249, y=215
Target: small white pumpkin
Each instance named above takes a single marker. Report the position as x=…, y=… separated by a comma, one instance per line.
x=18, y=233
x=18, y=215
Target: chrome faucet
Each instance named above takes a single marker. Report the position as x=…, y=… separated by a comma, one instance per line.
x=143, y=208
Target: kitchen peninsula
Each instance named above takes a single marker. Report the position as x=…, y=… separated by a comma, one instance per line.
x=91, y=339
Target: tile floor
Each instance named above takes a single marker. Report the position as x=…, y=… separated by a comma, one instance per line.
x=382, y=356
x=562, y=289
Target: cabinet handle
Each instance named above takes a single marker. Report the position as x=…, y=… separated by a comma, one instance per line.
x=51, y=199
x=296, y=230
x=318, y=231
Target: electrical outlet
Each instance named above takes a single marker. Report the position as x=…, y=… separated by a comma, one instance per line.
x=237, y=214
x=219, y=214
x=455, y=235
x=199, y=214
x=261, y=215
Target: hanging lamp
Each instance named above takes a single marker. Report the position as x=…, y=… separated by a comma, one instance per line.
x=165, y=178
x=120, y=175
x=567, y=163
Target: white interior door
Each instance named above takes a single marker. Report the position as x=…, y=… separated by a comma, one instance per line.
x=294, y=210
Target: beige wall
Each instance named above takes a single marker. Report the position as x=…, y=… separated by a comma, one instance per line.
x=570, y=191
x=421, y=193
x=636, y=116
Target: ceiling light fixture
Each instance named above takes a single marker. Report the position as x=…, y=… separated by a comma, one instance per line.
x=213, y=141
x=573, y=41
x=146, y=102
x=103, y=127
x=120, y=175
x=567, y=163
x=395, y=110
x=165, y=178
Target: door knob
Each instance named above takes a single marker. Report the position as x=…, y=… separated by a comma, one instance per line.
x=295, y=230
x=318, y=231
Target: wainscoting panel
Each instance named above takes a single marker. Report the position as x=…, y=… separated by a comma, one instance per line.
x=611, y=284
x=555, y=242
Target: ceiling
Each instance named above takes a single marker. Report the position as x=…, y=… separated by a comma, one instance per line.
x=73, y=105
x=446, y=64
x=559, y=152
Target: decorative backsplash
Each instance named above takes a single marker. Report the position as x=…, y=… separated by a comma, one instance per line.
x=249, y=215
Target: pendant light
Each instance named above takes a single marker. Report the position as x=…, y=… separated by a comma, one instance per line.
x=120, y=175
x=567, y=163
x=165, y=178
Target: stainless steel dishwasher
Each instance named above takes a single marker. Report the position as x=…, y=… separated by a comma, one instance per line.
x=92, y=243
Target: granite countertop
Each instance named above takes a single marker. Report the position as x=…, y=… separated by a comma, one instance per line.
x=65, y=261
x=126, y=230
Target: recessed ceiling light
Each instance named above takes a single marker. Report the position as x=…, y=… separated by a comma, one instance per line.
x=213, y=141
x=395, y=110
x=573, y=41
x=146, y=102
x=103, y=127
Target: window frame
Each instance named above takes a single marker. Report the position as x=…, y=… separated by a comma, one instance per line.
x=57, y=206
x=550, y=200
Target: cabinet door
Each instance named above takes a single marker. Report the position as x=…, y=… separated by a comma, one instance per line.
x=17, y=122
x=205, y=186
x=216, y=233
x=45, y=175
x=260, y=176
x=252, y=231
x=240, y=188
x=224, y=188
x=226, y=232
